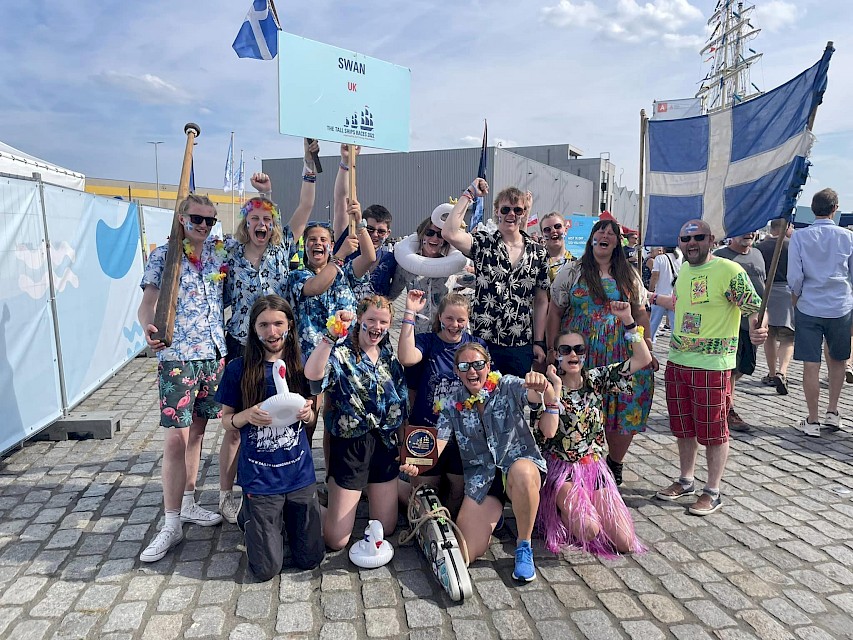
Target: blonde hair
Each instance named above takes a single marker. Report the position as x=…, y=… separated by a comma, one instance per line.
x=472, y=346
x=194, y=198
x=242, y=231
x=379, y=302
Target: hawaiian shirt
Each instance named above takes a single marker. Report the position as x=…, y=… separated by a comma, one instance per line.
x=199, y=316
x=312, y=312
x=381, y=279
x=504, y=294
x=555, y=264
x=494, y=441
x=245, y=284
x=364, y=396
x=581, y=428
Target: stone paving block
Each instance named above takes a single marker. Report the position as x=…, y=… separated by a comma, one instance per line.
x=57, y=599
x=494, y=594
x=710, y=614
x=126, y=616
x=836, y=572
x=216, y=592
x=598, y=578
x=654, y=563
x=175, y=599
x=422, y=613
x=728, y=596
x=254, y=605
x=429, y=633
x=337, y=580
x=843, y=601
x=207, y=623
x=339, y=605
x=382, y=623
x=338, y=631
x=689, y=632
x=621, y=605
x=472, y=629
x=555, y=573
x=786, y=612
x=76, y=625
x=635, y=579
x=223, y=565
x=752, y=586
x=511, y=625
x=64, y=539
x=815, y=581
x=382, y=593
x=246, y=631
x=661, y=607
x=765, y=627
x=556, y=630
x=595, y=625
x=735, y=634
x=541, y=605
x=30, y=630
x=681, y=586
x=813, y=633
x=643, y=630
x=297, y=586
x=23, y=591
x=8, y=615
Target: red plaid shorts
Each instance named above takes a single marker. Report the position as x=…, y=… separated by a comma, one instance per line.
x=698, y=402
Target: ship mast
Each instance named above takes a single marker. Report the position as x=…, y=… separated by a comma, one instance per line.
x=728, y=82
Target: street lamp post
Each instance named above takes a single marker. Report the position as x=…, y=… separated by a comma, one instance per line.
x=156, y=167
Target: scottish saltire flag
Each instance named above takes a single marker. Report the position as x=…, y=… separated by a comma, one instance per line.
x=737, y=168
x=477, y=216
x=192, y=176
x=228, y=183
x=258, y=37
x=241, y=183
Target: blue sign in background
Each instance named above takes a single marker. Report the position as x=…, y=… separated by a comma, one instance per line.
x=338, y=95
x=578, y=228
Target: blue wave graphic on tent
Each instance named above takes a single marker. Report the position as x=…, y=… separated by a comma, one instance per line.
x=117, y=247
x=135, y=336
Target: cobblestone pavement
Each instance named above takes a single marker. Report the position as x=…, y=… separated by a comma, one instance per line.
x=775, y=562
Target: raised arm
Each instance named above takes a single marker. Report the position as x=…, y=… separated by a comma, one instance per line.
x=321, y=282
x=407, y=353
x=315, y=367
x=342, y=192
x=368, y=252
x=453, y=231
x=306, y=195
x=640, y=354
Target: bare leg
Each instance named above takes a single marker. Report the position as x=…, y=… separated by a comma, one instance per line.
x=786, y=352
x=228, y=459
x=717, y=455
x=340, y=515
x=687, y=450
x=619, y=529
x=736, y=375
x=522, y=487
x=771, y=355
x=174, y=467
x=617, y=445
x=193, y=455
x=836, y=380
x=477, y=521
x=811, y=388
x=571, y=513
x=383, y=504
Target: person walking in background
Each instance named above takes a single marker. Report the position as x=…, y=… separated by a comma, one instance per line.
x=553, y=229
x=665, y=268
x=820, y=278
x=780, y=310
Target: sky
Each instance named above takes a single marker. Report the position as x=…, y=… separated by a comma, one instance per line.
x=88, y=84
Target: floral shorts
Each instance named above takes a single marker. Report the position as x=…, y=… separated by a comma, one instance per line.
x=187, y=388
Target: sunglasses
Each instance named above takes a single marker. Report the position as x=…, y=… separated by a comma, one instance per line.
x=556, y=227
x=566, y=349
x=478, y=365
x=699, y=237
x=317, y=223
x=516, y=210
x=197, y=219
x=379, y=232
x=429, y=233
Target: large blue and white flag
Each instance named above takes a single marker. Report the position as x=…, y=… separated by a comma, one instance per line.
x=228, y=183
x=258, y=37
x=477, y=215
x=241, y=183
x=737, y=168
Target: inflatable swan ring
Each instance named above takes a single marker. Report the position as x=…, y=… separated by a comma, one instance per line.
x=284, y=405
x=406, y=252
x=373, y=550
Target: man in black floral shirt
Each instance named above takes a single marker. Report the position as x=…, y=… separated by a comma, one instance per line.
x=511, y=289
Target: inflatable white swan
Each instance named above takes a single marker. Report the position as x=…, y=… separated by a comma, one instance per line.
x=284, y=405
x=373, y=550
x=406, y=252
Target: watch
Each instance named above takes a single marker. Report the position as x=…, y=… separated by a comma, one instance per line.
x=628, y=327
x=361, y=225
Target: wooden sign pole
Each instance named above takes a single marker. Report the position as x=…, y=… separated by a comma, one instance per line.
x=164, y=315
x=352, y=192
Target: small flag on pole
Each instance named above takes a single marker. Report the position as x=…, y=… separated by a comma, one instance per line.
x=477, y=216
x=258, y=37
x=241, y=183
x=228, y=183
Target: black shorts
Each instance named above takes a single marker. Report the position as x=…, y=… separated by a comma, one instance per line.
x=497, y=488
x=449, y=462
x=746, y=352
x=357, y=462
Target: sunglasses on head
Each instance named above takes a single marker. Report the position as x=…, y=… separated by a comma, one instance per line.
x=379, y=232
x=557, y=227
x=516, y=210
x=566, y=349
x=478, y=365
x=429, y=233
x=197, y=219
x=699, y=237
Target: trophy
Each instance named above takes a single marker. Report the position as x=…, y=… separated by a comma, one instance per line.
x=419, y=446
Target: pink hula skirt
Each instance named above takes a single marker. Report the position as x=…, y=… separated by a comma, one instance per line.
x=588, y=476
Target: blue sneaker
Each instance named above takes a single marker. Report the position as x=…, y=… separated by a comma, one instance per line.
x=524, y=569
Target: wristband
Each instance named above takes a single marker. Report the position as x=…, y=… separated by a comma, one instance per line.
x=344, y=167
x=628, y=327
x=338, y=262
x=325, y=337
x=410, y=312
x=541, y=344
x=411, y=322
x=654, y=298
x=466, y=194
x=309, y=177
x=336, y=327
x=553, y=412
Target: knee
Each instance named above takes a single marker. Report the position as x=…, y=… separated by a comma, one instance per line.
x=336, y=542
x=589, y=530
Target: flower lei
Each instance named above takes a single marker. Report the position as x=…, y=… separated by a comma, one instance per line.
x=491, y=383
x=219, y=251
x=258, y=203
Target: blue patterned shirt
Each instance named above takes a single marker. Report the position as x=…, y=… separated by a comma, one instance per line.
x=380, y=280
x=364, y=396
x=313, y=311
x=494, y=441
x=199, y=309
x=245, y=284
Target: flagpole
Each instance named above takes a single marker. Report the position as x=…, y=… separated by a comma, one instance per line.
x=777, y=250
x=231, y=164
x=352, y=192
x=643, y=124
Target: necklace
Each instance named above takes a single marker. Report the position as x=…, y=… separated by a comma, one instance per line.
x=219, y=252
x=491, y=383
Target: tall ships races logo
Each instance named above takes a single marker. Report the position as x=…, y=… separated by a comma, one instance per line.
x=360, y=124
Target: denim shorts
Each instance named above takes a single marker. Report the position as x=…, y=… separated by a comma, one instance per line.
x=812, y=331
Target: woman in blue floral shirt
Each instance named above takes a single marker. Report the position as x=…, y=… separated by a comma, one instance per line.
x=367, y=405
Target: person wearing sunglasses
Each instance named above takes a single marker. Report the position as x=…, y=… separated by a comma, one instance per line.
x=580, y=504
x=258, y=265
x=553, y=229
x=511, y=286
x=711, y=294
x=189, y=368
x=581, y=301
x=500, y=458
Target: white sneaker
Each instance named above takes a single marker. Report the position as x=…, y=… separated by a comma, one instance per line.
x=808, y=428
x=200, y=516
x=832, y=420
x=160, y=545
x=229, y=507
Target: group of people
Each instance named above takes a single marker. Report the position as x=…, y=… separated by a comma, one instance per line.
x=535, y=383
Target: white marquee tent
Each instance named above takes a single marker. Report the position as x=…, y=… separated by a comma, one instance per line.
x=18, y=163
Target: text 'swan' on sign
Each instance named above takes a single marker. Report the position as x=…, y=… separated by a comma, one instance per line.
x=338, y=95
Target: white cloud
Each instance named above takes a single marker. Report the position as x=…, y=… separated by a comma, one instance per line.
x=503, y=142
x=777, y=14
x=661, y=21
x=471, y=141
x=147, y=87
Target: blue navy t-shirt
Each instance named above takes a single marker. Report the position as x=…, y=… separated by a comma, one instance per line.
x=272, y=460
x=437, y=377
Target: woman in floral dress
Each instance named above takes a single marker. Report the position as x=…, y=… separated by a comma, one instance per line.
x=581, y=297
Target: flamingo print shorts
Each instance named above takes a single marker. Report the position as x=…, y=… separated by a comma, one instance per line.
x=187, y=388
